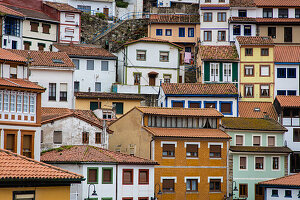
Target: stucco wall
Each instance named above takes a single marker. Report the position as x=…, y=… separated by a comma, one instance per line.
x=263, y=31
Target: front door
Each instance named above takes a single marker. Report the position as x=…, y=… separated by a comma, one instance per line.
x=106, y=11
x=288, y=34
x=259, y=192
x=214, y=72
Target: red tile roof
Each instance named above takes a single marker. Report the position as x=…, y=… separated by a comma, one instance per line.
x=252, y=109
x=6, y=10
x=84, y=50
x=287, y=54
x=214, y=5
x=9, y=56
x=15, y=167
x=20, y=83
x=288, y=101
x=61, y=6
x=174, y=18
x=242, y=3
x=201, y=112
x=199, y=88
x=218, y=53
x=254, y=40
x=277, y=20
x=260, y=149
x=291, y=180
x=106, y=95
x=87, y=153
x=277, y=3
x=46, y=58
x=152, y=40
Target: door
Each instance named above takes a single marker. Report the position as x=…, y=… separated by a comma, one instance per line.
x=106, y=11
x=152, y=80
x=214, y=72
x=288, y=34
x=259, y=192
x=227, y=72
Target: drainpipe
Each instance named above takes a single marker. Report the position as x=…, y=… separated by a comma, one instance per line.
x=117, y=181
x=151, y=147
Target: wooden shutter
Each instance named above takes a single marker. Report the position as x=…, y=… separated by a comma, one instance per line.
x=98, y=138
x=215, y=148
x=169, y=147
x=92, y=175
x=143, y=176
x=256, y=140
x=168, y=184
x=26, y=46
x=10, y=142
x=106, y=175
x=192, y=148
x=34, y=26
x=85, y=137
x=178, y=104
x=27, y=146
x=239, y=140
x=210, y=105
x=226, y=108
x=243, y=162
x=271, y=141
x=152, y=80
x=194, y=105
x=127, y=177
x=57, y=137
x=46, y=28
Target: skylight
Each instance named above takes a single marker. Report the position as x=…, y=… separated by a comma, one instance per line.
x=58, y=61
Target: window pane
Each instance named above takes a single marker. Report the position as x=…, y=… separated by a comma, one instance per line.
x=90, y=65
x=104, y=65
x=92, y=176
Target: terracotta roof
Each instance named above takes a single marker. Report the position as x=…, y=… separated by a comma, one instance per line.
x=219, y=53
x=260, y=149
x=152, y=40
x=287, y=54
x=61, y=6
x=252, y=109
x=214, y=6
x=52, y=114
x=242, y=3
x=87, y=153
x=187, y=132
x=290, y=180
x=174, y=18
x=20, y=83
x=255, y=124
x=242, y=19
x=201, y=112
x=84, y=50
x=46, y=58
x=15, y=167
x=9, y=56
x=8, y=11
x=288, y=101
x=105, y=95
x=277, y=3
x=254, y=40
x=199, y=89
x=277, y=20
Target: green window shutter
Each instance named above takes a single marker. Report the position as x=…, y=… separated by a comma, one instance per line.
x=118, y=107
x=92, y=198
x=94, y=105
x=235, y=72
x=221, y=72
x=106, y=198
x=206, y=71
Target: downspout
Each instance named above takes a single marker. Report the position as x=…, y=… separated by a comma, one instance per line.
x=117, y=181
x=151, y=147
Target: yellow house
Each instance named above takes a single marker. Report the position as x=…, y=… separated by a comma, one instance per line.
x=25, y=178
x=94, y=100
x=187, y=143
x=256, y=68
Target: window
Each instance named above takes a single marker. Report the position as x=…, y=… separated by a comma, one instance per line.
x=76, y=63
x=297, y=13
x=265, y=70
x=63, y=92
x=221, y=1
x=248, y=92
x=92, y=175
x=11, y=26
x=283, y=13
x=243, y=190
x=256, y=140
x=296, y=135
x=259, y=163
x=168, y=185
x=242, y=13
x=275, y=163
x=13, y=71
x=27, y=145
x=46, y=28
x=98, y=138
x=86, y=9
x=236, y=29
x=90, y=65
x=264, y=52
x=271, y=141
x=95, y=105
x=226, y=108
x=159, y=32
x=19, y=103
x=249, y=70
x=288, y=193
x=107, y=175
x=192, y=185
x=207, y=1
x=247, y=30
x=291, y=72
x=26, y=104
x=168, y=32
x=221, y=17
x=164, y=56
x=119, y=107
x=52, y=91
x=177, y=104
x=10, y=141
x=194, y=104
x=281, y=72
x=24, y=195
x=265, y=91
x=191, y=150
x=214, y=185
x=70, y=17
x=97, y=87
x=57, y=137
x=239, y=140
x=137, y=78
x=32, y=104
x=167, y=78
x=207, y=17
x=191, y=32
x=209, y=105
x=288, y=34
x=291, y=92
x=12, y=102
x=248, y=52
x=27, y=45
x=104, y=65
x=34, y=26
x=127, y=176
x=85, y=137
x=281, y=92
x=274, y=193
x=221, y=35
x=76, y=86
x=215, y=151
x=141, y=55
x=267, y=12
x=41, y=46
x=243, y=162
x=144, y=176
x=168, y=150
x=207, y=35
x=181, y=32
x=272, y=32
x=227, y=68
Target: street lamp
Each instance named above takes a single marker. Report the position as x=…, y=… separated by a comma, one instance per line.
x=94, y=192
x=158, y=193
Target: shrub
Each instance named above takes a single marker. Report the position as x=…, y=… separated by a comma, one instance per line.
x=121, y=4
x=100, y=15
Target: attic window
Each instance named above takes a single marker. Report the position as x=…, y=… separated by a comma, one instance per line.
x=257, y=109
x=59, y=61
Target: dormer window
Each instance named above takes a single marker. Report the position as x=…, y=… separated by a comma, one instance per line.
x=13, y=72
x=283, y=13
x=57, y=61
x=268, y=13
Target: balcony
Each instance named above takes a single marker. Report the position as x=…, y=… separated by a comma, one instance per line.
x=290, y=121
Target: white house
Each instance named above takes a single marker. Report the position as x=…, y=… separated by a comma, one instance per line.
x=95, y=67
x=222, y=96
x=53, y=71
x=145, y=63
x=168, y=3
x=112, y=175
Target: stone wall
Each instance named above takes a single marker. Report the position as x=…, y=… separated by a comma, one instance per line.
x=175, y=8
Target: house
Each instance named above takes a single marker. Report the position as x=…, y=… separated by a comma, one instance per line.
x=257, y=153
x=114, y=175
x=287, y=70
x=178, y=3
x=256, y=68
x=20, y=113
x=121, y=103
x=145, y=63
x=214, y=22
x=54, y=71
x=222, y=96
x=254, y=109
x=25, y=178
x=178, y=139
x=63, y=127
x=286, y=187
x=90, y=61
x=218, y=64
x=287, y=108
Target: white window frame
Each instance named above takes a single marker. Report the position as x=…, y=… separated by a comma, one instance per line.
x=260, y=142
x=215, y=143
x=267, y=140
x=239, y=135
x=215, y=177
x=264, y=163
x=167, y=142
x=168, y=177
x=216, y=76
x=240, y=163
x=228, y=76
x=191, y=177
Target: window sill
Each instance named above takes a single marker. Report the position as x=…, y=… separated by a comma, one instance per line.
x=143, y=183
x=274, y=195
x=168, y=192
x=215, y=192
x=127, y=184
x=192, y=158
x=107, y=183
x=215, y=158
x=191, y=192
x=168, y=157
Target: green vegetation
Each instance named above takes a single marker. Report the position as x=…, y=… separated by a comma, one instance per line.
x=121, y=4
x=100, y=15
x=59, y=149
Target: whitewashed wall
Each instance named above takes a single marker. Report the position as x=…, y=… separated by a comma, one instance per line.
x=287, y=83
x=281, y=194
x=67, y=24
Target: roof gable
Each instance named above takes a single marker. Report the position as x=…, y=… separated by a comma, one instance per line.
x=288, y=101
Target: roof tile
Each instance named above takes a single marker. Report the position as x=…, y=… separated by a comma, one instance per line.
x=260, y=149
x=252, y=109
x=152, y=40
x=288, y=101
x=106, y=95
x=20, y=83
x=287, y=54
x=291, y=180
x=242, y=3
x=6, y=10
x=174, y=18
x=10, y=56
x=219, y=53
x=61, y=6
x=277, y=3
x=254, y=40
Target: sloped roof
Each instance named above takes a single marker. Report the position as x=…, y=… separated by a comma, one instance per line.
x=10, y=56
x=277, y=20
x=255, y=124
x=260, y=149
x=106, y=95
x=277, y=3
x=61, y=6
x=174, y=18
x=253, y=109
x=290, y=180
x=288, y=101
x=199, y=89
x=218, y=53
x=15, y=167
x=242, y=3
x=8, y=11
x=287, y=54
x=87, y=153
x=214, y=6
x=187, y=132
x=20, y=83
x=152, y=40
x=254, y=40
